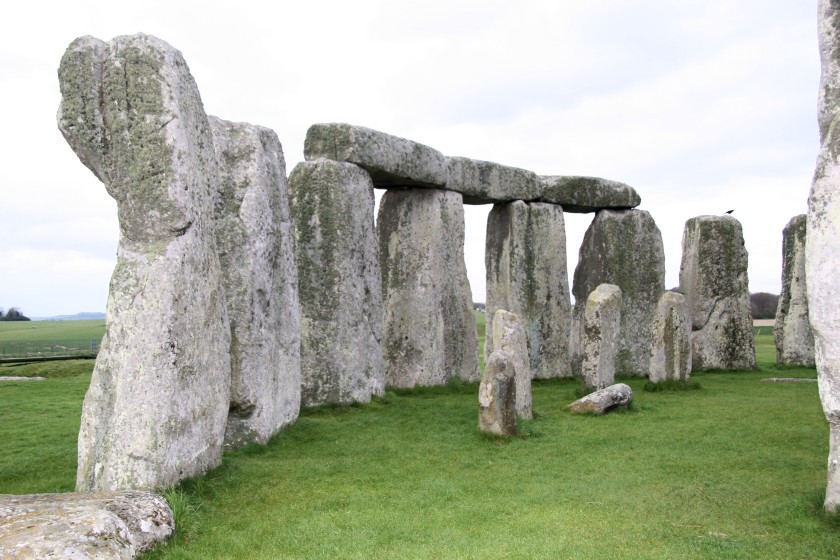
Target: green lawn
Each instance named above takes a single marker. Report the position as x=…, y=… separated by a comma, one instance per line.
x=733, y=470
x=34, y=338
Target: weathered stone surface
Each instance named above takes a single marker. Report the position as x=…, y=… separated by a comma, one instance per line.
x=339, y=283
x=256, y=250
x=391, y=161
x=622, y=247
x=429, y=326
x=483, y=182
x=525, y=260
x=606, y=400
x=13, y=378
x=158, y=401
x=497, y=395
x=713, y=278
x=601, y=325
x=83, y=525
x=510, y=338
x=792, y=332
x=822, y=258
x=587, y=194
x=670, y=350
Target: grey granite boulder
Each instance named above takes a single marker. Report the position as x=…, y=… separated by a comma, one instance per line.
x=429, y=324
x=587, y=194
x=670, y=350
x=510, y=338
x=339, y=283
x=255, y=241
x=622, y=248
x=525, y=260
x=792, y=332
x=606, y=400
x=157, y=405
x=497, y=396
x=601, y=325
x=713, y=278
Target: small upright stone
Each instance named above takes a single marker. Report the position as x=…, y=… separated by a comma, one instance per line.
x=670, y=351
x=497, y=395
x=713, y=278
x=510, y=338
x=601, y=323
x=792, y=332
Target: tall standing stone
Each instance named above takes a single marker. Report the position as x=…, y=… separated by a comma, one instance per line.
x=792, y=332
x=429, y=324
x=713, y=278
x=670, y=350
x=339, y=283
x=822, y=258
x=601, y=326
x=526, y=274
x=510, y=338
x=256, y=249
x=622, y=248
x=157, y=406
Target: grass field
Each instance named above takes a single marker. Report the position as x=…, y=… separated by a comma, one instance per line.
x=49, y=338
x=735, y=469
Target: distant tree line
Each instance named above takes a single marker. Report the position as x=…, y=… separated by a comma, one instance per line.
x=763, y=305
x=13, y=314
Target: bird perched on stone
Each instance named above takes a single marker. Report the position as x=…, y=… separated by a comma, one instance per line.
x=729, y=211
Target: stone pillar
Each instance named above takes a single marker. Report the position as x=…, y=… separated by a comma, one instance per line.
x=497, y=395
x=713, y=278
x=527, y=275
x=256, y=249
x=429, y=323
x=601, y=326
x=792, y=332
x=510, y=338
x=339, y=283
x=622, y=247
x=822, y=258
x=158, y=401
x=670, y=351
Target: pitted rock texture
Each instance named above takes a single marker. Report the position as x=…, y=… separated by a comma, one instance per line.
x=483, y=182
x=429, y=324
x=157, y=406
x=792, y=332
x=587, y=194
x=822, y=258
x=622, y=247
x=606, y=400
x=713, y=278
x=510, y=338
x=670, y=350
x=255, y=241
x=339, y=283
x=497, y=395
x=525, y=260
x=601, y=325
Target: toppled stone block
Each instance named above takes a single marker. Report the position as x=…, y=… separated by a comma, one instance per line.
x=497, y=395
x=255, y=241
x=483, y=182
x=339, y=283
x=429, y=324
x=157, y=406
x=792, y=331
x=581, y=195
x=713, y=278
x=601, y=324
x=603, y=401
x=390, y=160
x=670, y=350
x=510, y=338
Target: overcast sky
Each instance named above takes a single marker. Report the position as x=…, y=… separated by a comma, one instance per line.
x=702, y=105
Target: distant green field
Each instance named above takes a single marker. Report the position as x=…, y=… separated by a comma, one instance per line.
x=49, y=338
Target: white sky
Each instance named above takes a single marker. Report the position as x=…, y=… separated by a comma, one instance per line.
x=701, y=105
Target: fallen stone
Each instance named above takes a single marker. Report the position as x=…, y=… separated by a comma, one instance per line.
x=497, y=395
x=339, y=283
x=429, y=324
x=12, y=378
x=789, y=380
x=83, y=525
x=603, y=401
x=713, y=278
x=792, y=331
x=525, y=260
x=670, y=351
x=157, y=406
x=601, y=324
x=255, y=241
x=510, y=338
x=391, y=161
x=581, y=195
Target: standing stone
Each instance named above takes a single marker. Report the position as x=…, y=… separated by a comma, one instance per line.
x=822, y=258
x=510, y=338
x=157, y=405
x=622, y=248
x=429, y=324
x=256, y=249
x=670, y=351
x=601, y=326
x=792, y=332
x=713, y=277
x=497, y=395
x=339, y=283
x=526, y=274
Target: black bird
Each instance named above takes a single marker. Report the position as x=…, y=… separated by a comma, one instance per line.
x=729, y=211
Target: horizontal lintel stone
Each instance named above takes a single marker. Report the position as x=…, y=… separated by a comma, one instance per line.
x=588, y=194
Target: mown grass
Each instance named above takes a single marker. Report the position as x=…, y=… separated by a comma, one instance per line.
x=46, y=331
x=734, y=469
